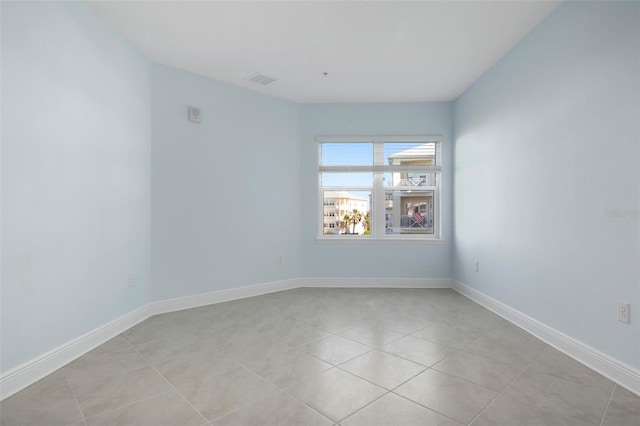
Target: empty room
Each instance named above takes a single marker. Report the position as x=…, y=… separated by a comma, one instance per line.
x=320, y=213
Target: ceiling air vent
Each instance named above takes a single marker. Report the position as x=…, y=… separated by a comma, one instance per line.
x=261, y=79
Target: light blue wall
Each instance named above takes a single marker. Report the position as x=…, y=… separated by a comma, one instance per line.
x=546, y=142
x=225, y=193
x=75, y=176
x=401, y=260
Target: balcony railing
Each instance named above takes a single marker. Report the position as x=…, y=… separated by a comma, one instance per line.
x=429, y=180
x=410, y=222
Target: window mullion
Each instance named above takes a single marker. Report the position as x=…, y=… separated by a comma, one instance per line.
x=378, y=214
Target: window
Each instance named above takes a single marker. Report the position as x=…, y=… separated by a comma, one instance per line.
x=380, y=187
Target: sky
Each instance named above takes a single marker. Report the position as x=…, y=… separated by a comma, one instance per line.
x=356, y=154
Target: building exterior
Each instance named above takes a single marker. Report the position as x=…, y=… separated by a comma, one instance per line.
x=409, y=202
x=338, y=204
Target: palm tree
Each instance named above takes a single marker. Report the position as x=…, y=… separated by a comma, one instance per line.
x=367, y=221
x=345, y=222
x=353, y=219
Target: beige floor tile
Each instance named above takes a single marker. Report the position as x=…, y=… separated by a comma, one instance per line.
x=194, y=320
x=78, y=423
x=227, y=393
x=169, y=409
x=448, y=395
x=623, y=410
x=557, y=364
x=508, y=344
x=392, y=410
x=97, y=394
x=562, y=398
x=362, y=312
x=150, y=330
x=286, y=368
x=335, y=393
x=269, y=323
x=157, y=351
x=449, y=334
x=114, y=344
x=247, y=310
x=204, y=365
x=512, y=409
x=372, y=335
x=418, y=350
x=49, y=401
x=222, y=334
x=383, y=369
x=336, y=322
x=483, y=371
x=295, y=333
x=477, y=317
x=401, y=323
x=106, y=363
x=423, y=311
x=335, y=349
x=277, y=410
x=252, y=347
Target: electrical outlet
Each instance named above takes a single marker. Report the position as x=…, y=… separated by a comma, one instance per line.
x=132, y=280
x=477, y=265
x=194, y=115
x=623, y=312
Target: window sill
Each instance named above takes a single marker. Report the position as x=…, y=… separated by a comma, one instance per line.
x=371, y=240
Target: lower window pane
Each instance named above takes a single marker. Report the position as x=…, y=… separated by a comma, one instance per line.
x=409, y=212
x=346, y=213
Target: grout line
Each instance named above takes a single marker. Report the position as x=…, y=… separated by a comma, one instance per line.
x=506, y=387
x=119, y=373
x=269, y=395
x=388, y=391
x=608, y=403
x=84, y=419
x=129, y=404
x=395, y=388
x=365, y=406
x=371, y=349
x=464, y=380
x=286, y=392
x=426, y=407
x=173, y=387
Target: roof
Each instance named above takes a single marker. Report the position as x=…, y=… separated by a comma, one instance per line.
x=422, y=151
x=343, y=194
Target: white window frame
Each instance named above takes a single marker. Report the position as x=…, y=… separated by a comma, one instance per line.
x=378, y=231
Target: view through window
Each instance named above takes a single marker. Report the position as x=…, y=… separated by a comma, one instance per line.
x=379, y=187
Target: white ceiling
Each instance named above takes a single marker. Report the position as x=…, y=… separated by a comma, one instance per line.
x=373, y=51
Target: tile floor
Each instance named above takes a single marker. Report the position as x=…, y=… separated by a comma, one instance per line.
x=324, y=357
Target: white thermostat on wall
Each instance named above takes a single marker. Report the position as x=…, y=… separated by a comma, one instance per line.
x=194, y=115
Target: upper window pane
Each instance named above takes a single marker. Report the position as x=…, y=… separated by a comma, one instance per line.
x=347, y=154
x=410, y=154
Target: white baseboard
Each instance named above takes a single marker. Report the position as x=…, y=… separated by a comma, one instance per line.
x=188, y=302
x=376, y=282
x=617, y=371
x=30, y=372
